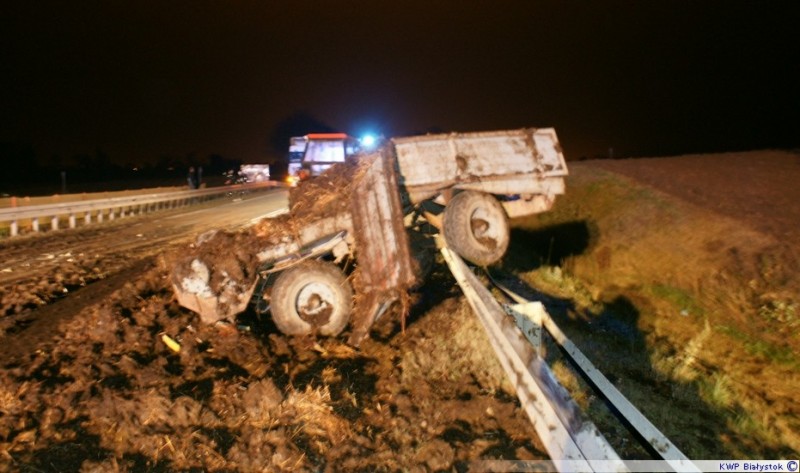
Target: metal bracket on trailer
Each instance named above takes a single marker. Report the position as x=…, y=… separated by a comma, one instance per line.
x=312, y=250
x=572, y=442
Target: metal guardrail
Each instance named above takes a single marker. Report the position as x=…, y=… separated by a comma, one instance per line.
x=534, y=315
x=115, y=207
x=573, y=442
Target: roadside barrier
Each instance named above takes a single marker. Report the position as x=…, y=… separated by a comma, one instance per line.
x=573, y=442
x=51, y=216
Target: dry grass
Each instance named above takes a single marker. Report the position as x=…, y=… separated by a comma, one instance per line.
x=569, y=379
x=717, y=391
x=9, y=400
x=466, y=356
x=311, y=412
x=716, y=302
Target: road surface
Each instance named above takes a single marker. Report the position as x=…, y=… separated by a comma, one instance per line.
x=47, y=278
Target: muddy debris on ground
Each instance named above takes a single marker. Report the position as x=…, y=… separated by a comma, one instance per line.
x=108, y=394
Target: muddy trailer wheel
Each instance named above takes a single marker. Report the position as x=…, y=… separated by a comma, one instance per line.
x=476, y=227
x=312, y=297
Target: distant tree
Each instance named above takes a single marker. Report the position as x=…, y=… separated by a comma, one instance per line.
x=170, y=162
x=165, y=163
x=97, y=166
x=192, y=159
x=218, y=164
x=54, y=163
x=83, y=161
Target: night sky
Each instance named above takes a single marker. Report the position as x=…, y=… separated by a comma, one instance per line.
x=144, y=79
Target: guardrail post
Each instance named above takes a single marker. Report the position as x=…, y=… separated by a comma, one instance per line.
x=35, y=224
x=54, y=223
x=87, y=217
x=14, y=230
x=100, y=216
x=72, y=220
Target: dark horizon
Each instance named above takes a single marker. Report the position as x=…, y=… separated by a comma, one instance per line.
x=147, y=82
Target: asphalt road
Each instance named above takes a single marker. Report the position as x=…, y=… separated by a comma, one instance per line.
x=46, y=279
x=133, y=237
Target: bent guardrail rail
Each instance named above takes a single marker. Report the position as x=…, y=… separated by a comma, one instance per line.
x=115, y=207
x=573, y=442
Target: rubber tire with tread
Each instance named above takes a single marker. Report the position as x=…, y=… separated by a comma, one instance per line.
x=289, y=287
x=469, y=212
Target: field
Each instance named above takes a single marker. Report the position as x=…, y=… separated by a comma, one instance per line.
x=677, y=276
x=680, y=277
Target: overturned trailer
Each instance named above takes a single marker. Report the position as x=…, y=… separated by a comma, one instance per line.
x=370, y=211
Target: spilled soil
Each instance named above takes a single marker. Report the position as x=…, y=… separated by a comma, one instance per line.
x=113, y=375
x=137, y=383
x=103, y=371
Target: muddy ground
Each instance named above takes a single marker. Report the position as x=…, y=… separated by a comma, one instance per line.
x=108, y=394
x=89, y=382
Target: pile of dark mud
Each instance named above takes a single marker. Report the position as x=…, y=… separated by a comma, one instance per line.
x=328, y=194
x=139, y=384
x=67, y=273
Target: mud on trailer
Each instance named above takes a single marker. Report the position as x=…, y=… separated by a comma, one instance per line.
x=466, y=185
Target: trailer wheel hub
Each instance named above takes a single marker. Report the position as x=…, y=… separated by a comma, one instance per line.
x=315, y=303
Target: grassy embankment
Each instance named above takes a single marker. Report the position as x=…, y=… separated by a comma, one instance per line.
x=692, y=315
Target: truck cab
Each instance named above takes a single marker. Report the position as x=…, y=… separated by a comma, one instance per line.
x=323, y=150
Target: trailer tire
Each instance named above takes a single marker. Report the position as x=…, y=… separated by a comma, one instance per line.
x=312, y=297
x=475, y=226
